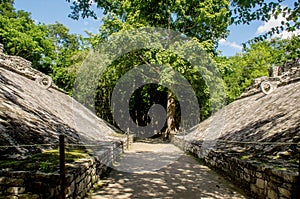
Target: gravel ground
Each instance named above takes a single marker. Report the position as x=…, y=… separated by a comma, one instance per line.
x=163, y=171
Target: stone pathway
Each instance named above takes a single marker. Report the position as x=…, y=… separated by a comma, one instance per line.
x=163, y=171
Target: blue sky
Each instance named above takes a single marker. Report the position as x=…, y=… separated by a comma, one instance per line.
x=50, y=11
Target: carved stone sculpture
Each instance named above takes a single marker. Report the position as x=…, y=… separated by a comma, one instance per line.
x=279, y=76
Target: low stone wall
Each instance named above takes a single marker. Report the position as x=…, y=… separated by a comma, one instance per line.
x=259, y=180
x=80, y=177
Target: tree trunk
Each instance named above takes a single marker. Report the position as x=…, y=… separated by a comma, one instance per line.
x=171, y=121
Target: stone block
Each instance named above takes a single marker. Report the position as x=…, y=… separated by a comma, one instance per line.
x=288, y=177
x=272, y=194
x=95, y=178
x=11, y=181
x=253, y=188
x=71, y=188
x=276, y=179
x=287, y=186
x=1, y=48
x=15, y=190
x=260, y=183
x=257, y=191
x=212, y=163
x=88, y=178
x=69, y=178
x=259, y=174
x=284, y=192
x=247, y=177
x=272, y=185
x=81, y=186
x=28, y=196
x=88, y=186
x=80, y=178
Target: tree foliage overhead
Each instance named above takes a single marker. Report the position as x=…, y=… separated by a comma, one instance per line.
x=245, y=11
x=207, y=20
x=70, y=51
x=55, y=51
x=21, y=36
x=241, y=12
x=52, y=49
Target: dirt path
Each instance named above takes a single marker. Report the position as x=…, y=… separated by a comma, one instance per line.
x=163, y=171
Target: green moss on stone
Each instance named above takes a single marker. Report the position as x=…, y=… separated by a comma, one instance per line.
x=47, y=161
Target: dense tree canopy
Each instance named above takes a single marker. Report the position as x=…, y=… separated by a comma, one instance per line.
x=205, y=23
x=21, y=36
x=127, y=50
x=70, y=51
x=241, y=11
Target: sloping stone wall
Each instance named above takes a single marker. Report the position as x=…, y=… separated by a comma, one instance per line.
x=253, y=140
x=33, y=115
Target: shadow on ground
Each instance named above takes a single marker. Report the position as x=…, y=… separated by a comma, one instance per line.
x=176, y=175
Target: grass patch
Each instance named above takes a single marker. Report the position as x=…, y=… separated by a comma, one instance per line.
x=47, y=161
x=246, y=157
x=281, y=168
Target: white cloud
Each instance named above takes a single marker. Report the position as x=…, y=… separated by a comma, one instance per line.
x=267, y=26
x=223, y=42
x=286, y=34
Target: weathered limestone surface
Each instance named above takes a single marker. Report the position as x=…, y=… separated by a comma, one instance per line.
x=254, y=140
x=31, y=114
